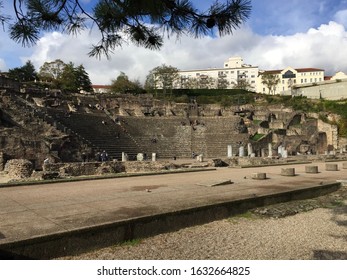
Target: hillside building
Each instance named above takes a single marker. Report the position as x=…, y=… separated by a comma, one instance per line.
x=289, y=78
x=234, y=74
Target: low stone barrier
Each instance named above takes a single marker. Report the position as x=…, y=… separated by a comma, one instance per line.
x=259, y=176
x=311, y=169
x=331, y=167
x=288, y=172
x=100, y=168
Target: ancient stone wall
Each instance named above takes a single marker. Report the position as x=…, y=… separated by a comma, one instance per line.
x=18, y=168
x=2, y=161
x=331, y=133
x=110, y=167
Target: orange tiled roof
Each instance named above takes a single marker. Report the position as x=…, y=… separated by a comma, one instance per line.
x=300, y=70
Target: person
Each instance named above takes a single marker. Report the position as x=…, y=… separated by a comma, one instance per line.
x=104, y=156
x=98, y=156
x=84, y=157
x=45, y=163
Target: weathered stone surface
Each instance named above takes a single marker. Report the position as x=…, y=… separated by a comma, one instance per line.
x=216, y=183
x=218, y=163
x=288, y=171
x=49, y=175
x=259, y=176
x=2, y=161
x=19, y=168
x=331, y=167
x=312, y=169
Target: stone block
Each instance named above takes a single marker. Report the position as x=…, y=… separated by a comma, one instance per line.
x=140, y=157
x=288, y=172
x=259, y=176
x=19, y=168
x=312, y=169
x=331, y=167
x=344, y=165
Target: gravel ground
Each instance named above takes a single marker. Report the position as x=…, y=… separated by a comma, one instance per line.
x=301, y=230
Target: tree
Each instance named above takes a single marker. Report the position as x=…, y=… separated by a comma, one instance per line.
x=243, y=84
x=65, y=76
x=122, y=84
x=222, y=83
x=83, y=79
x=163, y=77
x=143, y=22
x=26, y=73
x=74, y=79
x=270, y=81
x=51, y=71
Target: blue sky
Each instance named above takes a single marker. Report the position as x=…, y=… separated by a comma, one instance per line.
x=297, y=33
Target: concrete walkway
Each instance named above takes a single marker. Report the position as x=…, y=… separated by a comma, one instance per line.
x=28, y=212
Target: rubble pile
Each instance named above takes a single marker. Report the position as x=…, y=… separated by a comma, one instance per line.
x=19, y=168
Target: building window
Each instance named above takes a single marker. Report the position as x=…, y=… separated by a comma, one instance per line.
x=288, y=75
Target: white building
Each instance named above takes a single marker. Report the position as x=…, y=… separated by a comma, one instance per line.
x=290, y=78
x=234, y=74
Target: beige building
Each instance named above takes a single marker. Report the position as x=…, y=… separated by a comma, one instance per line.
x=339, y=76
x=289, y=78
x=234, y=74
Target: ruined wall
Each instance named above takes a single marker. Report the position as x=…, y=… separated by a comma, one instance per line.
x=101, y=168
x=18, y=168
x=331, y=133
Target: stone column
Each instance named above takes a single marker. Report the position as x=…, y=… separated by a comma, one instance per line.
x=249, y=149
x=140, y=157
x=284, y=153
x=154, y=157
x=124, y=157
x=241, y=151
x=280, y=150
x=270, y=149
x=230, y=151
x=262, y=152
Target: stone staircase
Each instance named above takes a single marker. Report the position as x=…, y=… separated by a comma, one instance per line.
x=99, y=131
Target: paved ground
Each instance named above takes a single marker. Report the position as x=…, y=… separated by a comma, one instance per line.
x=31, y=211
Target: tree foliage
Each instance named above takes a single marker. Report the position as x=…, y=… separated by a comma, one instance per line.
x=122, y=84
x=26, y=73
x=270, y=81
x=51, y=71
x=67, y=77
x=143, y=22
x=163, y=77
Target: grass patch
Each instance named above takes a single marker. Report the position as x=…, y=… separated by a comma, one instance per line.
x=132, y=242
x=334, y=204
x=246, y=215
x=257, y=137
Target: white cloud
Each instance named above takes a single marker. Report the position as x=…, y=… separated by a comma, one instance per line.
x=2, y=64
x=341, y=17
x=323, y=47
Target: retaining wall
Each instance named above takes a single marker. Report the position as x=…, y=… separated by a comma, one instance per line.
x=86, y=239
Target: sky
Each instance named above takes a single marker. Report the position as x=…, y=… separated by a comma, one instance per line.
x=278, y=34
